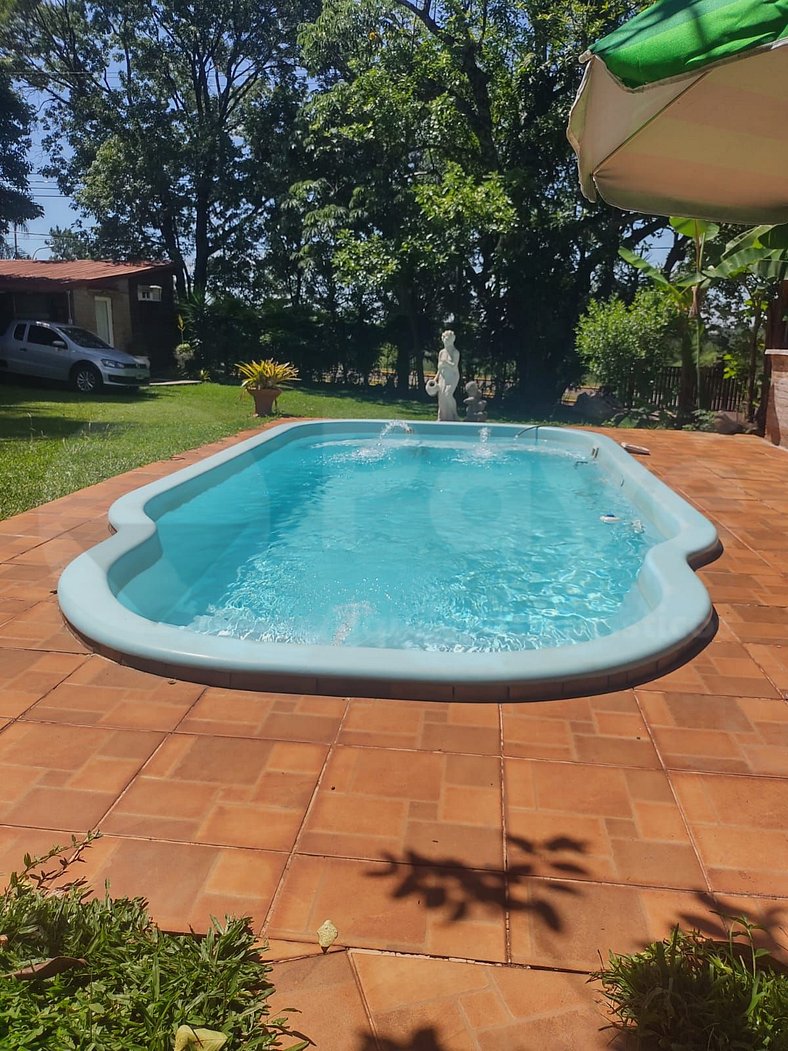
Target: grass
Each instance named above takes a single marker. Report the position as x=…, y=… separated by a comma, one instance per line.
x=84, y=973
x=54, y=442
x=689, y=993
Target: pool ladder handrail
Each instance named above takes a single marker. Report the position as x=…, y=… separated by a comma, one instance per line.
x=530, y=427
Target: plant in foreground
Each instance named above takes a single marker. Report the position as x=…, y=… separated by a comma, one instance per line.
x=690, y=993
x=79, y=973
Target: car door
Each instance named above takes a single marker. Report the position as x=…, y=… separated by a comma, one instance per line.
x=11, y=353
x=47, y=354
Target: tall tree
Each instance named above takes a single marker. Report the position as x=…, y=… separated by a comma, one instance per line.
x=475, y=160
x=16, y=204
x=147, y=110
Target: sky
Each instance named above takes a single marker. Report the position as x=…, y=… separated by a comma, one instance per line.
x=58, y=210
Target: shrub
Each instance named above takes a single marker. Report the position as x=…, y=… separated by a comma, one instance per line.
x=624, y=347
x=689, y=993
x=117, y=981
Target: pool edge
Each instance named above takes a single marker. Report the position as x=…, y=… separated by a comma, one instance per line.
x=696, y=543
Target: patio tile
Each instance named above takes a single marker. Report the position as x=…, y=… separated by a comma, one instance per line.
x=424, y=725
x=103, y=693
x=596, y=823
x=66, y=777
x=575, y=925
x=17, y=841
x=440, y=809
x=774, y=661
x=442, y=1005
x=607, y=729
x=22, y=587
x=55, y=554
x=726, y=734
x=220, y=790
x=724, y=668
x=770, y=914
x=277, y=716
x=186, y=884
x=739, y=827
x=767, y=625
x=27, y=675
x=40, y=628
x=330, y=1007
x=404, y=908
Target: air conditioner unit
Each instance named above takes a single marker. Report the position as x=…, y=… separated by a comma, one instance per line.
x=149, y=293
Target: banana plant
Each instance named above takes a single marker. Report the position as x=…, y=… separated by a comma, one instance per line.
x=759, y=259
x=686, y=290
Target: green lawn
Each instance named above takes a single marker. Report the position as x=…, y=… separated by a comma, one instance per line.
x=53, y=442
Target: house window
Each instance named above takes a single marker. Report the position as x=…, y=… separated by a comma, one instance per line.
x=149, y=293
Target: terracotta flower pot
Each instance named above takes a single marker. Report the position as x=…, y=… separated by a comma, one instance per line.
x=264, y=398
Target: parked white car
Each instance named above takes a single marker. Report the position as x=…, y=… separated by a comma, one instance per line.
x=70, y=353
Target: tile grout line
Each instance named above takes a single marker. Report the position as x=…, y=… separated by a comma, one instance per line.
x=18, y=716
x=165, y=737
x=677, y=802
x=364, y=1002
x=292, y=852
x=507, y=918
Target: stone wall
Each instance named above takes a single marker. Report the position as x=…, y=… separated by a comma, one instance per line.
x=777, y=405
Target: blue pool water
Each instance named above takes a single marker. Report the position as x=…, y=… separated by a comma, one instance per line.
x=453, y=543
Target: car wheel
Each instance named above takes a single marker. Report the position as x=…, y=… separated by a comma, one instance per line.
x=86, y=379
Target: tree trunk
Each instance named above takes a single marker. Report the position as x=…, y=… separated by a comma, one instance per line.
x=687, y=378
x=202, y=249
x=752, y=365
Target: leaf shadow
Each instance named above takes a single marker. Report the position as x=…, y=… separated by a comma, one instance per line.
x=450, y=885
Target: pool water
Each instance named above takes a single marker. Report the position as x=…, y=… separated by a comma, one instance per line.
x=453, y=543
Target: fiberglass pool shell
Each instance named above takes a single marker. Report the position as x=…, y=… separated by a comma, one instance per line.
x=677, y=615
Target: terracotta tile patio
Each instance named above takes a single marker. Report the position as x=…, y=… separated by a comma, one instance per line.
x=476, y=858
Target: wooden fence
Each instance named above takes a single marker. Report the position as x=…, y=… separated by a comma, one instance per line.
x=717, y=393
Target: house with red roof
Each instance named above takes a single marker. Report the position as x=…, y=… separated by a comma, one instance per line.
x=129, y=305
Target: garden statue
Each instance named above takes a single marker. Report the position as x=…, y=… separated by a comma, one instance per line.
x=446, y=379
x=474, y=404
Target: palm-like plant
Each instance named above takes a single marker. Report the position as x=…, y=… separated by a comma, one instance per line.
x=267, y=374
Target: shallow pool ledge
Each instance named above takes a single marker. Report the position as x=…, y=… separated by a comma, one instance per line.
x=678, y=622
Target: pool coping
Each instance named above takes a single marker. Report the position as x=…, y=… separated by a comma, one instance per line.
x=680, y=621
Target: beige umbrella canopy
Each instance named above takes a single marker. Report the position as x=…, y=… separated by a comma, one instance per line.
x=684, y=111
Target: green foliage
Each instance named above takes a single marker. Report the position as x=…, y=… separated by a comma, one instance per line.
x=147, y=109
x=624, y=347
x=266, y=374
x=16, y=205
x=131, y=985
x=688, y=993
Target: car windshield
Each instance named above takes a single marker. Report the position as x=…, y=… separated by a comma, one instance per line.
x=83, y=338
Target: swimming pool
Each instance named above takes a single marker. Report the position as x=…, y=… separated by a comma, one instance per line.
x=429, y=560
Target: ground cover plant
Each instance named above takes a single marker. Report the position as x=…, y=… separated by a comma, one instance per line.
x=54, y=442
x=79, y=973
x=691, y=993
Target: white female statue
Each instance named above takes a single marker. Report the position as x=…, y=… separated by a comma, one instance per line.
x=446, y=379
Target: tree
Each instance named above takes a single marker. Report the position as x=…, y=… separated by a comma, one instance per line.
x=625, y=346
x=16, y=204
x=147, y=110
x=447, y=126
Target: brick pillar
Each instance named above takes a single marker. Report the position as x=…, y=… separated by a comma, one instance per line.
x=777, y=401
x=775, y=422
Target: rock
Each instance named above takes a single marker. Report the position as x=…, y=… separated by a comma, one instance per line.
x=728, y=423
x=597, y=407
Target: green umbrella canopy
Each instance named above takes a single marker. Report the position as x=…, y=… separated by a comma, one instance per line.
x=684, y=110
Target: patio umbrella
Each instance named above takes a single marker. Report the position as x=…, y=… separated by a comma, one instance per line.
x=683, y=110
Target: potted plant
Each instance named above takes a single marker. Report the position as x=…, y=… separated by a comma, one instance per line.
x=265, y=380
